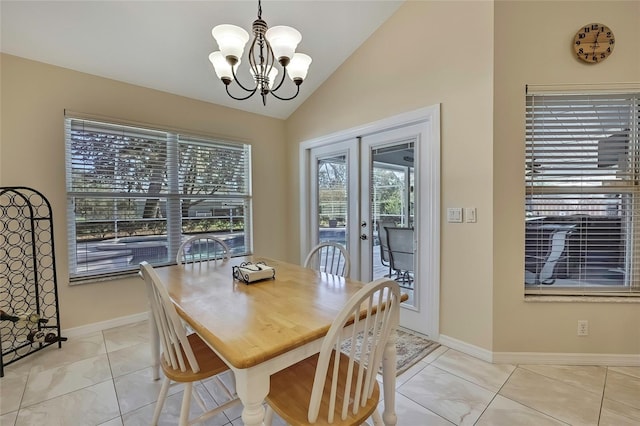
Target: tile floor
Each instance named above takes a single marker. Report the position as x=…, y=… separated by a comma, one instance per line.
x=105, y=379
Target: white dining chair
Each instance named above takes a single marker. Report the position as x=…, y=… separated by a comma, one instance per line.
x=329, y=257
x=202, y=248
x=185, y=358
x=338, y=386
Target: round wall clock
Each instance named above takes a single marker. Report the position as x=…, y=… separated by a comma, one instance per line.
x=594, y=43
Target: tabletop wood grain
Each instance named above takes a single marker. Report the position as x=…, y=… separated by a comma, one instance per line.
x=251, y=323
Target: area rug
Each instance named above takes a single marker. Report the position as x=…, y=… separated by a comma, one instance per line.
x=410, y=348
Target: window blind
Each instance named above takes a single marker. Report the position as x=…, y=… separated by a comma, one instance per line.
x=134, y=192
x=582, y=193
x=225, y=167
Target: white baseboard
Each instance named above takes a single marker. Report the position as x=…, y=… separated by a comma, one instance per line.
x=104, y=325
x=466, y=348
x=547, y=358
x=627, y=360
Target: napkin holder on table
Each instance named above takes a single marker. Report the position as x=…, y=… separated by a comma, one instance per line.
x=251, y=272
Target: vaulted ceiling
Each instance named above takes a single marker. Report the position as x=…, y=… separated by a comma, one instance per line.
x=165, y=45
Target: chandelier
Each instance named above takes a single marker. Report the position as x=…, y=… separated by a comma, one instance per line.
x=268, y=46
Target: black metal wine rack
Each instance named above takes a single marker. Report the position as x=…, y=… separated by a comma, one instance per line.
x=28, y=286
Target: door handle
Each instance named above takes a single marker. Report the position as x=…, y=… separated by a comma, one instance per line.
x=363, y=224
x=363, y=237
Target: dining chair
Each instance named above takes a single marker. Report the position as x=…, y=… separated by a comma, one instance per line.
x=401, y=254
x=338, y=385
x=185, y=358
x=329, y=257
x=202, y=248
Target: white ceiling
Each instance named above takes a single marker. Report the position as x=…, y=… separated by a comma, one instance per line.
x=165, y=45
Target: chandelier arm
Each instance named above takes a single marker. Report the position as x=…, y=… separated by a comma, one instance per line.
x=287, y=99
x=235, y=78
x=241, y=99
x=284, y=74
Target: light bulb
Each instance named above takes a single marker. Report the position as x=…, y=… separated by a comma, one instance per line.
x=222, y=67
x=231, y=40
x=283, y=41
x=298, y=67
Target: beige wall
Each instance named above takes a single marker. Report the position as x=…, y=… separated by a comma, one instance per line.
x=533, y=46
x=33, y=99
x=428, y=53
x=443, y=52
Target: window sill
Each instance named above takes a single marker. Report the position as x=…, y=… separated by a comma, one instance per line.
x=582, y=299
x=93, y=279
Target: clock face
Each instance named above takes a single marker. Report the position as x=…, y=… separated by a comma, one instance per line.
x=594, y=43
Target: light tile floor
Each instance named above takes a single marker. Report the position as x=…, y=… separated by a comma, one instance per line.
x=105, y=379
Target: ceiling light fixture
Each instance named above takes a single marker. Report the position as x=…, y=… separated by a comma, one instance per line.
x=268, y=46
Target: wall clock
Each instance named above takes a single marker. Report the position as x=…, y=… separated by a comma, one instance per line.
x=594, y=43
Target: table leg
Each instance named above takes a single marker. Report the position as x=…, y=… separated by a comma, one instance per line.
x=155, y=348
x=389, y=381
x=252, y=388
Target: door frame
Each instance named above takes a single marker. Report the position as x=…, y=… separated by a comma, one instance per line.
x=428, y=238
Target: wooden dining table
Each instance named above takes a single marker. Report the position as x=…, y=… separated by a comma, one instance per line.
x=261, y=328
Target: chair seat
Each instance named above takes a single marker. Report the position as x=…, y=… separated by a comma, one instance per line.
x=210, y=363
x=290, y=394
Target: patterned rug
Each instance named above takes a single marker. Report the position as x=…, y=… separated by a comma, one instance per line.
x=410, y=348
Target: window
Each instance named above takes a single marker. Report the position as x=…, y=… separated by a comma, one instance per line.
x=134, y=194
x=332, y=196
x=582, y=202
x=392, y=198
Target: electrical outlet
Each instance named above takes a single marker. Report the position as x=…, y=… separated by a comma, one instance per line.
x=583, y=328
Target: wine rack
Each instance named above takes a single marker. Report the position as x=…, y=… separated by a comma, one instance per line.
x=28, y=287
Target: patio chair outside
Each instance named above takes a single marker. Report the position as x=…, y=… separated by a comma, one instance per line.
x=384, y=247
x=401, y=254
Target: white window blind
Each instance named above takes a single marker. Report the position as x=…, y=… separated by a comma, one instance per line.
x=582, y=193
x=134, y=194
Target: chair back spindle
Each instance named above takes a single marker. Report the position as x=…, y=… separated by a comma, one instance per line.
x=329, y=257
x=176, y=349
x=186, y=359
x=201, y=249
x=374, y=312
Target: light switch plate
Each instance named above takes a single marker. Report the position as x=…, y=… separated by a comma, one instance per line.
x=470, y=215
x=454, y=214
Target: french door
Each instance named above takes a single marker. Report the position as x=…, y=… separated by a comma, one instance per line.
x=333, y=189
x=358, y=184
